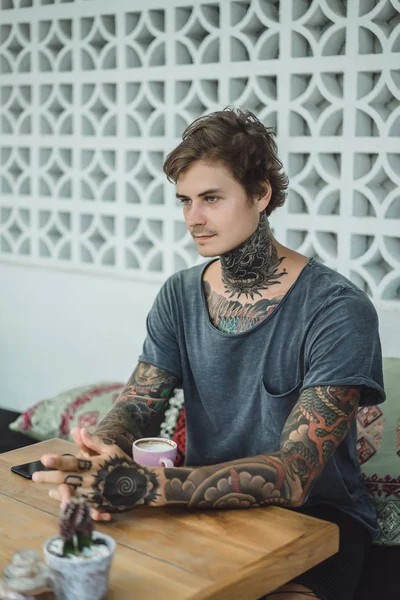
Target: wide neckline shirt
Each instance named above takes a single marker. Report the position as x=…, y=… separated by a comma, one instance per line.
x=240, y=388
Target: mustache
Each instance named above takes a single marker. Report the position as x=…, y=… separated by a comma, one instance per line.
x=199, y=231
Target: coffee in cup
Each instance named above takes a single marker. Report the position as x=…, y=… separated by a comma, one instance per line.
x=154, y=452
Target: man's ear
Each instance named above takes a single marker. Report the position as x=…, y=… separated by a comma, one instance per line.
x=265, y=198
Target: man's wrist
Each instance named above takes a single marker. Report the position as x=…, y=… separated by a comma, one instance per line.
x=172, y=489
x=160, y=500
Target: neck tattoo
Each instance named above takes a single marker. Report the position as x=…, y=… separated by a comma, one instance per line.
x=252, y=266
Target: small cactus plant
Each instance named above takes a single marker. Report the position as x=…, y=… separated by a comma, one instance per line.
x=76, y=527
x=79, y=557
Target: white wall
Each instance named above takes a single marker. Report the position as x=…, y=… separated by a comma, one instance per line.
x=62, y=329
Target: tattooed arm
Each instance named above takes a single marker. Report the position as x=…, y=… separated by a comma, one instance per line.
x=111, y=480
x=318, y=423
x=145, y=394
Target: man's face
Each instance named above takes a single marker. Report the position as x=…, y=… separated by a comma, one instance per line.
x=216, y=208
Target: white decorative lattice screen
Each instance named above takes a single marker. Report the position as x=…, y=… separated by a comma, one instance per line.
x=93, y=94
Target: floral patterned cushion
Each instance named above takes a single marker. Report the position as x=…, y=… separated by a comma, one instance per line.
x=54, y=417
x=174, y=426
x=378, y=448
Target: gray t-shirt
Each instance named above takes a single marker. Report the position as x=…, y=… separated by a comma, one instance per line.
x=240, y=388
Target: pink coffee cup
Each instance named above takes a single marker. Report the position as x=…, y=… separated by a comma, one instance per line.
x=154, y=452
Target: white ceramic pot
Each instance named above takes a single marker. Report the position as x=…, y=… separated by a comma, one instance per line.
x=80, y=578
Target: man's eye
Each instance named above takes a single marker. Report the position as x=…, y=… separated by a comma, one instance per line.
x=184, y=201
x=211, y=199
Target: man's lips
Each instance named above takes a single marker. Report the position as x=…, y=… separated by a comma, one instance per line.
x=202, y=238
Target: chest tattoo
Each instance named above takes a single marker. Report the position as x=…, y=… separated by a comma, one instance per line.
x=230, y=316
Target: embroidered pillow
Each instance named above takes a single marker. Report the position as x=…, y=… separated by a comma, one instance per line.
x=82, y=406
x=174, y=425
x=378, y=446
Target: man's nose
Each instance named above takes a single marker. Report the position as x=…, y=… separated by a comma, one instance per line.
x=195, y=215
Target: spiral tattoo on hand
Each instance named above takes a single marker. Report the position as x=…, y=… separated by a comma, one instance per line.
x=126, y=486
x=121, y=485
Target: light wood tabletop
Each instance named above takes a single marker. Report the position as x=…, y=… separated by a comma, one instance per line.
x=172, y=553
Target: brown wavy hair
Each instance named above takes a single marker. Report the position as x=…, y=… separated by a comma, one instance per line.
x=237, y=139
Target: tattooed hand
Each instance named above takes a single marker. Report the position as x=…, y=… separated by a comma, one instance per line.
x=83, y=439
x=110, y=479
x=93, y=445
x=112, y=484
x=121, y=484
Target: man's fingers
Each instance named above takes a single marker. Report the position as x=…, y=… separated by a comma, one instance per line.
x=73, y=480
x=92, y=444
x=95, y=443
x=66, y=462
x=76, y=436
x=58, y=477
x=63, y=494
x=100, y=516
x=55, y=461
x=55, y=494
x=84, y=464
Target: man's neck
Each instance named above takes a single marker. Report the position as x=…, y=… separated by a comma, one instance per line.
x=254, y=265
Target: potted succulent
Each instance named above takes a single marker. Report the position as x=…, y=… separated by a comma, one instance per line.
x=79, y=558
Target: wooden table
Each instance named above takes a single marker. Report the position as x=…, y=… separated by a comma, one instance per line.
x=172, y=553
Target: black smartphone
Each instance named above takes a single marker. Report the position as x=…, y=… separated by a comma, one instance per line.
x=28, y=469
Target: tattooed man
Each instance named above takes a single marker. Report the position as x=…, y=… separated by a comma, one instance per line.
x=274, y=352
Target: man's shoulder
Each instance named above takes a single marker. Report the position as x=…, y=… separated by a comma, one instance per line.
x=181, y=288
x=186, y=279
x=335, y=290
x=331, y=281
